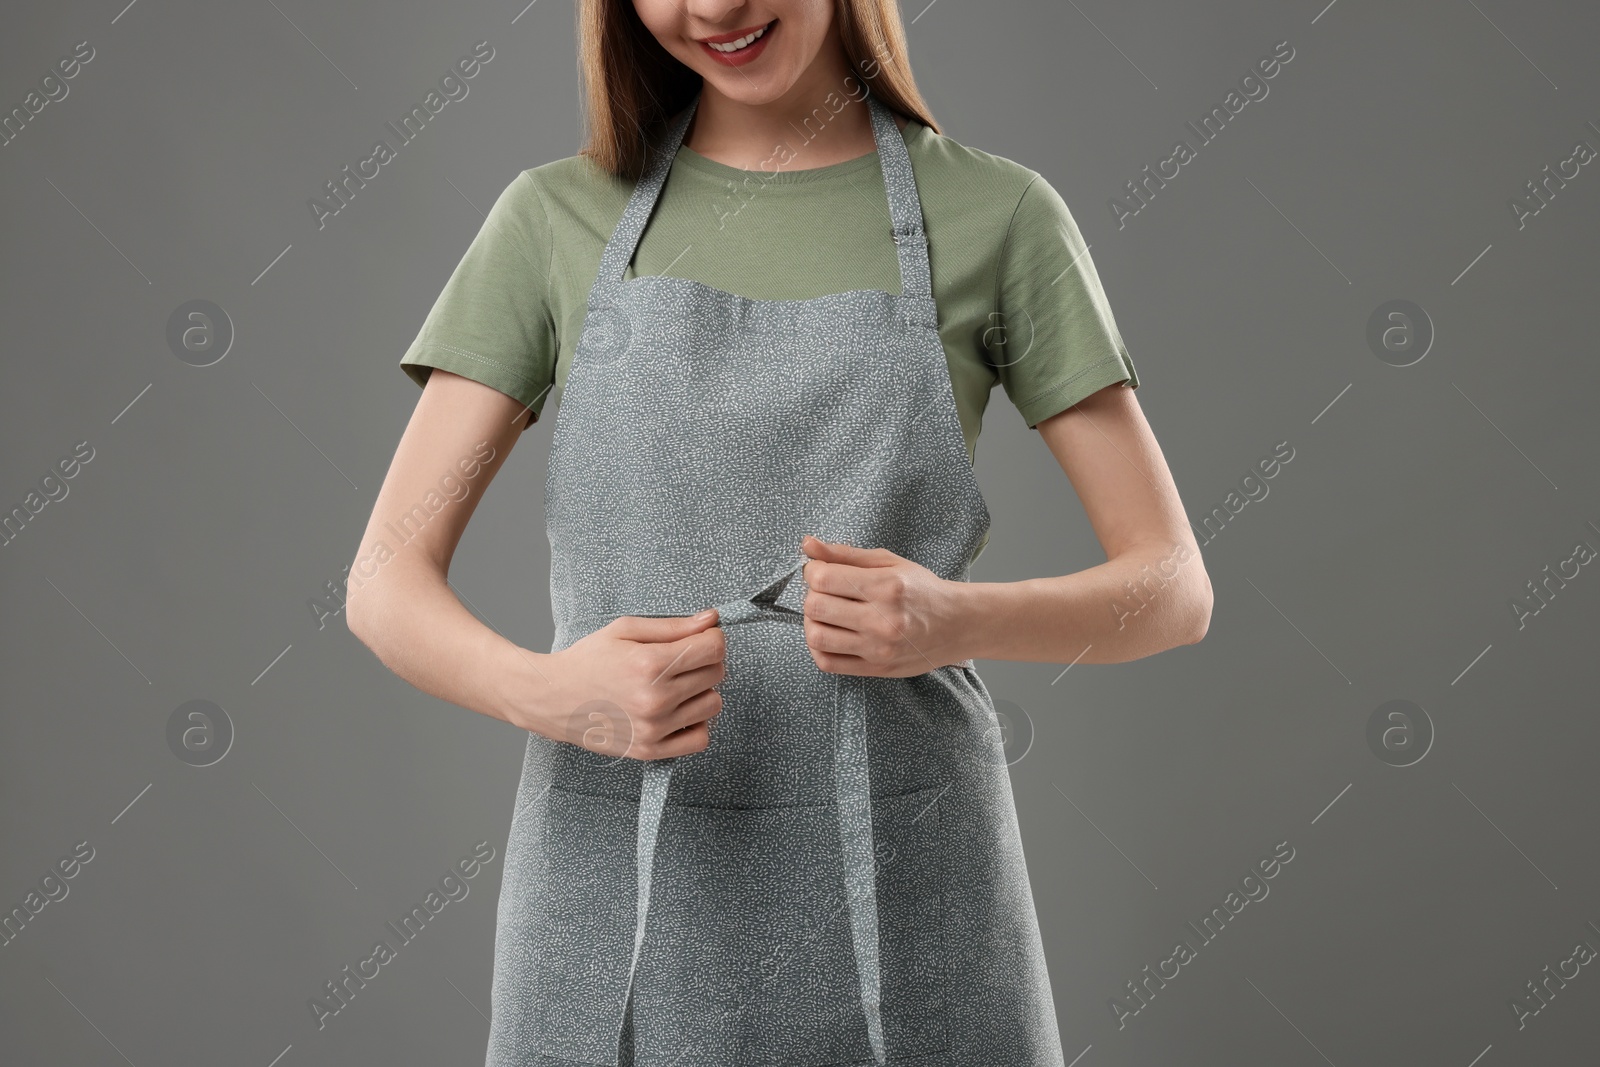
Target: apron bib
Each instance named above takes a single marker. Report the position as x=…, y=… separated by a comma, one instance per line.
x=838, y=878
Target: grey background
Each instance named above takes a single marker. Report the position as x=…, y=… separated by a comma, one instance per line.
x=1381, y=566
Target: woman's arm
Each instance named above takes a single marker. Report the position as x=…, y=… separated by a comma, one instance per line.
x=1151, y=594
x=399, y=603
x=637, y=687
x=870, y=611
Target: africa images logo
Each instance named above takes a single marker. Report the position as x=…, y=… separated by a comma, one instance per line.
x=453, y=86
x=339, y=991
x=1253, y=888
x=1252, y=88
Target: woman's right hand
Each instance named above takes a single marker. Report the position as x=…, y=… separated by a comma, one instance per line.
x=638, y=687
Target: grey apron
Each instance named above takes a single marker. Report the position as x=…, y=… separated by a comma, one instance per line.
x=838, y=878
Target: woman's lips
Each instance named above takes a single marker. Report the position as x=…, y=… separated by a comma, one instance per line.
x=748, y=53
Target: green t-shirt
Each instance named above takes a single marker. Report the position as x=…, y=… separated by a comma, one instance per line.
x=1018, y=297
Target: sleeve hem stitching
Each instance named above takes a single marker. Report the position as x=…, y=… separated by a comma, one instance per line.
x=467, y=354
x=1064, y=386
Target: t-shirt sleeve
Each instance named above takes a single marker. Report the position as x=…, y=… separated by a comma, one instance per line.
x=492, y=322
x=1058, y=341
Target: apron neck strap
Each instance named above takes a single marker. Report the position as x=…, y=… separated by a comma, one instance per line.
x=905, y=207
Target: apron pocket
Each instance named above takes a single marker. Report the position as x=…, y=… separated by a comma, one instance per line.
x=908, y=844
x=748, y=957
x=580, y=926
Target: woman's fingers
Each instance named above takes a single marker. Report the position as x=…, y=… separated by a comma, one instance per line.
x=695, y=738
x=664, y=681
x=843, y=612
x=688, y=727
x=838, y=579
x=826, y=637
x=668, y=628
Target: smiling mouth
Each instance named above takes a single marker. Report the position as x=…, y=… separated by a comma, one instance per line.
x=731, y=45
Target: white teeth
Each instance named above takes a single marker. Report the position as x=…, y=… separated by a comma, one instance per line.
x=734, y=46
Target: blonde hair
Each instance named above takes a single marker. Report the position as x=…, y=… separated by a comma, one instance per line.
x=632, y=85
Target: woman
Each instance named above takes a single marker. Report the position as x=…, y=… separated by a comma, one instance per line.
x=763, y=818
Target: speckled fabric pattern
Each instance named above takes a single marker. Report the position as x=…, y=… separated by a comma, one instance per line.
x=838, y=879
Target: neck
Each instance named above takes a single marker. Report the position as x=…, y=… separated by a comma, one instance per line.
x=821, y=120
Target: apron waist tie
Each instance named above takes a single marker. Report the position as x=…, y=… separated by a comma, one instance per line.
x=780, y=601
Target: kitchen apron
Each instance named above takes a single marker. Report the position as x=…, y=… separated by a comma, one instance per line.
x=838, y=878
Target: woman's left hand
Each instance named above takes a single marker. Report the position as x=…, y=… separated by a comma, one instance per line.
x=869, y=611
